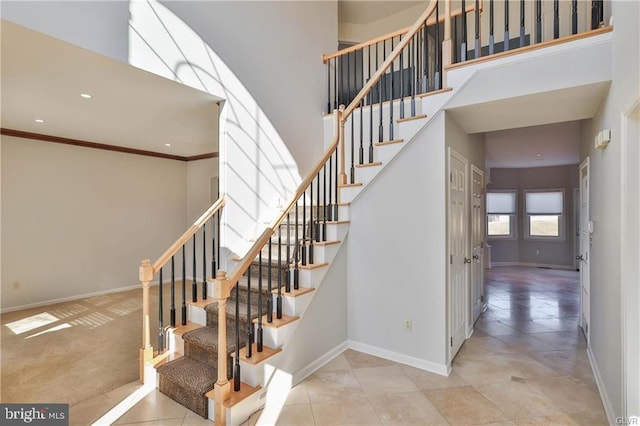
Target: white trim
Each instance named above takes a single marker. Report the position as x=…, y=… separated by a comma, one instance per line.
x=606, y=402
x=75, y=297
x=442, y=369
x=534, y=265
x=318, y=363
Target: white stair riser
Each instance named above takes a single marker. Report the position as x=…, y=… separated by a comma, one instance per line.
x=293, y=306
x=197, y=314
x=277, y=337
x=240, y=412
x=175, y=344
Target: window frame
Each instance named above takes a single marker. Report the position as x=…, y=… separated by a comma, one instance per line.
x=561, y=237
x=513, y=217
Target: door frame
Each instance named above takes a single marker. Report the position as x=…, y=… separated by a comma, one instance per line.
x=630, y=249
x=451, y=154
x=481, y=254
x=585, y=270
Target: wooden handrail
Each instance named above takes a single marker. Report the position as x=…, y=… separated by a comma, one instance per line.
x=270, y=230
x=355, y=103
x=188, y=234
x=396, y=33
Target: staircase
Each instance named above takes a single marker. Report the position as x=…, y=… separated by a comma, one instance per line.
x=266, y=296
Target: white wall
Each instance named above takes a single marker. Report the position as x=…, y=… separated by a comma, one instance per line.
x=396, y=261
x=605, y=202
x=78, y=220
x=199, y=191
x=356, y=33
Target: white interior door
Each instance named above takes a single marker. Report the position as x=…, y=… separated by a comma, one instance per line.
x=477, y=242
x=458, y=258
x=585, y=243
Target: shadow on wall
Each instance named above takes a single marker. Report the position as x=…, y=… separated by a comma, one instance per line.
x=256, y=167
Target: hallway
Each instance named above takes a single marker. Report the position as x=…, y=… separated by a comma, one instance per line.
x=525, y=364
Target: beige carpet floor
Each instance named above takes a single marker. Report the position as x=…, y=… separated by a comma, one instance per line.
x=74, y=351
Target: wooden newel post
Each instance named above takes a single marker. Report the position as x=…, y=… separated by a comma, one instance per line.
x=222, y=389
x=145, y=273
x=343, y=174
x=447, y=43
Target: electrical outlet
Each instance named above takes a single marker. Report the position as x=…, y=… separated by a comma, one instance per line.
x=407, y=325
x=15, y=285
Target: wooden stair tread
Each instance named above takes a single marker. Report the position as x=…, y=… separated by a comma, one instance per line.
x=201, y=303
x=374, y=164
x=180, y=329
x=415, y=117
x=390, y=142
x=435, y=92
x=163, y=358
x=295, y=293
x=258, y=357
x=337, y=222
x=277, y=323
x=236, y=397
x=311, y=265
x=348, y=185
x=327, y=243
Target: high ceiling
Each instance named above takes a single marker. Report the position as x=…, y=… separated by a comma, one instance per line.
x=366, y=11
x=42, y=78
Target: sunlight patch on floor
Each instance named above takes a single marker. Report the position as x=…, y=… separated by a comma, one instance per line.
x=49, y=330
x=30, y=323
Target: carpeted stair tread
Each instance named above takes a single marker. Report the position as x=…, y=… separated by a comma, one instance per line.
x=187, y=381
x=231, y=311
x=207, y=338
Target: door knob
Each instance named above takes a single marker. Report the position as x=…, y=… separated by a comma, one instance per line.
x=579, y=257
x=476, y=257
x=467, y=260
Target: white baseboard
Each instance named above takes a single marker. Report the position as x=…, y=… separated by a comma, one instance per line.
x=318, y=363
x=422, y=364
x=533, y=265
x=608, y=407
x=71, y=298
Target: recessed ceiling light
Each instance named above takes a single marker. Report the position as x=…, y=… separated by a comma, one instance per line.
x=167, y=144
x=39, y=120
x=85, y=95
x=538, y=155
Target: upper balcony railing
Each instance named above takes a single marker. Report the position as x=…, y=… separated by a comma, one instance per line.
x=457, y=32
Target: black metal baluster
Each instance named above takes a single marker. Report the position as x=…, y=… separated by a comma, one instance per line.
x=574, y=16
x=477, y=30
x=213, y=247
x=425, y=59
x=287, y=284
x=311, y=226
x=316, y=224
x=463, y=43
x=194, y=281
x=380, y=130
x=352, y=170
x=522, y=41
x=556, y=19
x=236, y=366
x=270, y=283
x=296, y=249
x=160, y=314
x=413, y=76
x=538, y=21
x=370, y=118
x=249, y=317
x=260, y=331
x=329, y=212
x=324, y=198
x=391, y=97
x=600, y=13
x=204, y=263
x=402, y=81
x=218, y=218
x=361, y=150
x=303, y=261
x=348, y=99
x=437, y=62
x=184, y=287
x=279, y=298
x=335, y=182
x=506, y=26
x=491, y=37
x=172, y=308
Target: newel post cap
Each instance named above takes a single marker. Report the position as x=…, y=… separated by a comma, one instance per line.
x=221, y=287
x=145, y=271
